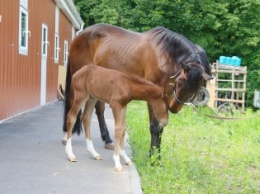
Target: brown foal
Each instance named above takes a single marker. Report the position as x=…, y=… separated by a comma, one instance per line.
x=92, y=83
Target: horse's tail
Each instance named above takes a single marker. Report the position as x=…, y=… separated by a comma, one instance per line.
x=67, y=104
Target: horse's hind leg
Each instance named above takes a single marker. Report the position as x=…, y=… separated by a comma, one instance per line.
x=122, y=141
x=71, y=119
x=86, y=119
x=100, y=109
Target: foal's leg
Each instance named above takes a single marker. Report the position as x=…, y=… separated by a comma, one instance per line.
x=122, y=141
x=100, y=109
x=71, y=119
x=86, y=119
x=117, y=109
x=156, y=133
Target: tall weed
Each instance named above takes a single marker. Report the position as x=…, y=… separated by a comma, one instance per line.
x=198, y=154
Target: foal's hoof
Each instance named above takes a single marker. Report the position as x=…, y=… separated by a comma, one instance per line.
x=72, y=159
x=110, y=146
x=64, y=142
x=129, y=163
x=98, y=157
x=119, y=169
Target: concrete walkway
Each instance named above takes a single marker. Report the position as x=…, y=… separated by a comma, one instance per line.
x=33, y=159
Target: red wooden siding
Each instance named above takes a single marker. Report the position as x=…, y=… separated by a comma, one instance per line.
x=20, y=75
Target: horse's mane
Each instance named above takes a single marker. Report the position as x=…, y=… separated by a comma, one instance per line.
x=181, y=51
x=179, y=48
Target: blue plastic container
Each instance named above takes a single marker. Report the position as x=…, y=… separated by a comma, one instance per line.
x=236, y=61
x=223, y=60
x=229, y=61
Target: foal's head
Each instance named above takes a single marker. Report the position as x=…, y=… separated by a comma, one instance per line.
x=160, y=110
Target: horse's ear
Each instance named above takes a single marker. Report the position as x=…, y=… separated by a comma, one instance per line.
x=206, y=76
x=184, y=73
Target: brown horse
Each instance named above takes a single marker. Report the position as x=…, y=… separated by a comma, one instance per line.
x=155, y=55
x=92, y=83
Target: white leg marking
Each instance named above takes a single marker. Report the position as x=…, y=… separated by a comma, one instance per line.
x=68, y=150
x=64, y=139
x=126, y=158
x=118, y=166
x=92, y=150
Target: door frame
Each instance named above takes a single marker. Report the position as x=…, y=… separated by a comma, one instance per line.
x=44, y=55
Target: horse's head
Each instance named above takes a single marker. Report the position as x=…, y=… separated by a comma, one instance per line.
x=186, y=83
x=160, y=110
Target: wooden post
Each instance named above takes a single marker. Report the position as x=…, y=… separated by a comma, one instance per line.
x=211, y=87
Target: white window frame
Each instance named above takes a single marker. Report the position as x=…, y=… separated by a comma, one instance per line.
x=56, y=48
x=23, y=33
x=66, y=52
x=56, y=35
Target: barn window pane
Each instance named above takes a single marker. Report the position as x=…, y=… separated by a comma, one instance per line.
x=23, y=29
x=56, y=49
x=66, y=52
x=44, y=45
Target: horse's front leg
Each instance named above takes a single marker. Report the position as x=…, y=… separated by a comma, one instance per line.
x=156, y=133
x=86, y=119
x=100, y=109
x=117, y=109
x=122, y=141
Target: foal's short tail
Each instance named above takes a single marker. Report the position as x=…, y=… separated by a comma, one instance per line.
x=67, y=105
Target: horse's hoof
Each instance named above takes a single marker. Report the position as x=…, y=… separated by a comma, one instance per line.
x=98, y=157
x=64, y=142
x=110, y=146
x=129, y=163
x=72, y=159
x=119, y=169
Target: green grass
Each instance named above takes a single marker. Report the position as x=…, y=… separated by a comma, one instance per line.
x=199, y=154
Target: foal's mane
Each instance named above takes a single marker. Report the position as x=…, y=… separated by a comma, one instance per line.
x=139, y=80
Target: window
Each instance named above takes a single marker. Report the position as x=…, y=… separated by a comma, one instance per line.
x=56, y=49
x=66, y=53
x=56, y=35
x=44, y=40
x=23, y=31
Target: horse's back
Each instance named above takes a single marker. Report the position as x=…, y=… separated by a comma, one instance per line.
x=111, y=47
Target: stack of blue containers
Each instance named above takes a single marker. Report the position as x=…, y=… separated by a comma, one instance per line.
x=234, y=61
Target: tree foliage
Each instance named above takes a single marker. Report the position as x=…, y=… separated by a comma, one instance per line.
x=222, y=27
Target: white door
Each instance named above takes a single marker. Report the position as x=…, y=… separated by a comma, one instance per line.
x=44, y=54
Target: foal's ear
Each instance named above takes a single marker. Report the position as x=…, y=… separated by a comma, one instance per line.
x=168, y=90
x=172, y=79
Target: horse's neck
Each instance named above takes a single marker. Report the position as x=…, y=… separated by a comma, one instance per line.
x=146, y=91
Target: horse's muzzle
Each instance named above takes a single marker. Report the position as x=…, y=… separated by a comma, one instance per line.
x=163, y=123
x=174, y=106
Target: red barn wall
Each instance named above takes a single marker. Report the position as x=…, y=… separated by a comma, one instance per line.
x=20, y=75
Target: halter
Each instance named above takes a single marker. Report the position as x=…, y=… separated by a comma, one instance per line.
x=187, y=102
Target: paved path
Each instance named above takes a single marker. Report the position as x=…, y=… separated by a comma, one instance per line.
x=33, y=160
